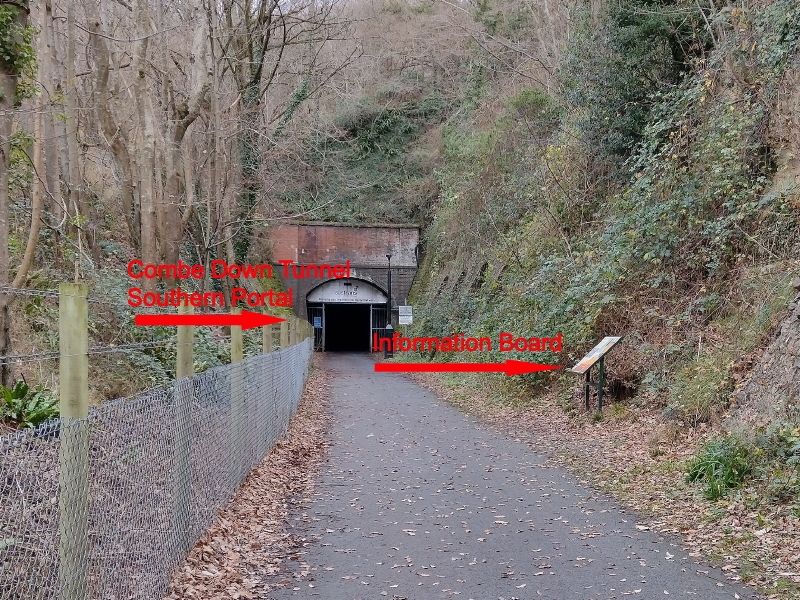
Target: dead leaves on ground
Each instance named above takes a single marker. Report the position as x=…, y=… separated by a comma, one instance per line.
x=243, y=554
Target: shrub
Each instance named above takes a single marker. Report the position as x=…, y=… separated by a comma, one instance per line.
x=701, y=389
x=26, y=407
x=723, y=464
x=612, y=71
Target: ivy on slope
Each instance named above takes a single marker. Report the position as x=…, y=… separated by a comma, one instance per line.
x=368, y=165
x=612, y=69
x=658, y=257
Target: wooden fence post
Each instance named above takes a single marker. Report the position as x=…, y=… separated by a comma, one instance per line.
x=266, y=338
x=237, y=401
x=73, y=502
x=284, y=334
x=183, y=392
x=185, y=362
x=292, y=331
x=237, y=352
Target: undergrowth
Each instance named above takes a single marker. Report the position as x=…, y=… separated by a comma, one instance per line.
x=722, y=465
x=23, y=406
x=768, y=460
x=657, y=221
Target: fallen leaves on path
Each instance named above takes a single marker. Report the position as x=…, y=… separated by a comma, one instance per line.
x=244, y=553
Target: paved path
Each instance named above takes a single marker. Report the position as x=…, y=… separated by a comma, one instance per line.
x=418, y=501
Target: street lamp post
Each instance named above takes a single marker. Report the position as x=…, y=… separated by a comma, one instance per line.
x=389, y=353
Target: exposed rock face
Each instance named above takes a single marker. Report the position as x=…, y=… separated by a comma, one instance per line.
x=773, y=390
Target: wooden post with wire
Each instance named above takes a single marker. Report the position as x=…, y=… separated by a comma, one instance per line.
x=185, y=362
x=73, y=500
x=292, y=331
x=237, y=401
x=284, y=334
x=183, y=391
x=266, y=338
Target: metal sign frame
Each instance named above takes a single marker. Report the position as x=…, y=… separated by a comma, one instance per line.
x=596, y=356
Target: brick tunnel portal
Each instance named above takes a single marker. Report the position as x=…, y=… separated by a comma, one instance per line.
x=346, y=312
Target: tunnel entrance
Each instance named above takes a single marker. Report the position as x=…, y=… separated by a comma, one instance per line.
x=345, y=313
x=347, y=328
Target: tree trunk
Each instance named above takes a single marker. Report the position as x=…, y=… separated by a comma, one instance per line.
x=53, y=169
x=145, y=143
x=21, y=276
x=74, y=202
x=173, y=224
x=183, y=116
x=116, y=133
x=8, y=86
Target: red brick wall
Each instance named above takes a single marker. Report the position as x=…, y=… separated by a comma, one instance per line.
x=365, y=247
x=331, y=244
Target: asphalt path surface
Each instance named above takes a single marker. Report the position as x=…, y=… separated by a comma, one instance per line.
x=418, y=501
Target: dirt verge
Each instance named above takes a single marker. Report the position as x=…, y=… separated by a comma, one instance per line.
x=245, y=553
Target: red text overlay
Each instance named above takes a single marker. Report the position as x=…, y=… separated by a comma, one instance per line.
x=219, y=269
x=460, y=343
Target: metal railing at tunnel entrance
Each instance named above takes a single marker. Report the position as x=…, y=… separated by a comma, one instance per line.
x=106, y=506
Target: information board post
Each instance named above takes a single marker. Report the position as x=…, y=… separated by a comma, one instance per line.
x=596, y=356
x=586, y=390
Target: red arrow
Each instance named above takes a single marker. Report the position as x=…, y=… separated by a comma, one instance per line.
x=247, y=319
x=510, y=367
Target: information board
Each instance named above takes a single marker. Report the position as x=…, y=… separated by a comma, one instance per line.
x=595, y=354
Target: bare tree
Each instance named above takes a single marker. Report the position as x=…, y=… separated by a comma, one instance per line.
x=184, y=110
x=115, y=131
x=37, y=202
x=256, y=46
x=14, y=15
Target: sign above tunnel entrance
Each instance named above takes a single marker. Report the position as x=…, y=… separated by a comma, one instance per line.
x=347, y=290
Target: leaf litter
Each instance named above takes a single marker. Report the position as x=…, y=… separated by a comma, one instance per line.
x=248, y=550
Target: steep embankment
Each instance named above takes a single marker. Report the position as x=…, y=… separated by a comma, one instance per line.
x=648, y=193
x=772, y=390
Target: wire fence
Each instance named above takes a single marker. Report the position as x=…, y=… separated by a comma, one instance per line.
x=160, y=465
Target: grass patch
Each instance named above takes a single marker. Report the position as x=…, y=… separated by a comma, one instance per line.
x=701, y=388
x=723, y=464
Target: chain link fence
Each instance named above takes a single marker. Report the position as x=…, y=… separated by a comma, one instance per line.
x=160, y=464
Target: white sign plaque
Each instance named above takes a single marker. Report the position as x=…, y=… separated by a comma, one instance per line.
x=347, y=290
x=406, y=315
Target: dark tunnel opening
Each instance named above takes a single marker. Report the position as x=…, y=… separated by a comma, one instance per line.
x=347, y=327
